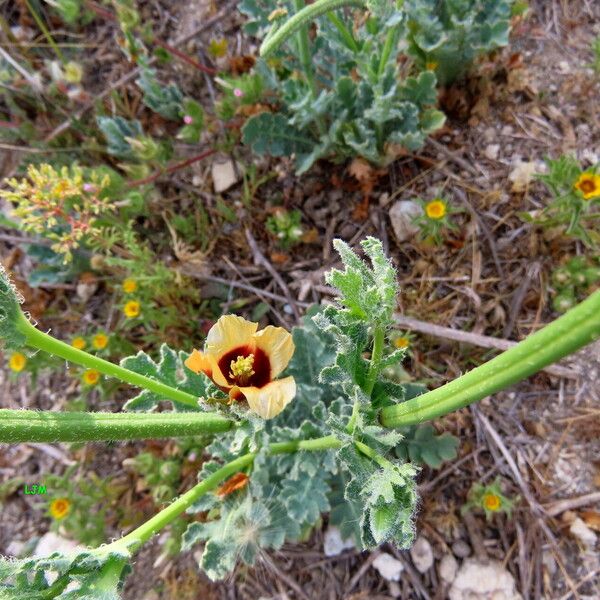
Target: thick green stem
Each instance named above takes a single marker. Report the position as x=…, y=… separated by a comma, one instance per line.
x=134, y=540
x=47, y=343
x=306, y=60
x=301, y=19
x=374, y=367
x=34, y=426
x=569, y=333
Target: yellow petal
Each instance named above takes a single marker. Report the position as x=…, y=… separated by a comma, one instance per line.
x=229, y=332
x=270, y=400
x=278, y=345
x=198, y=363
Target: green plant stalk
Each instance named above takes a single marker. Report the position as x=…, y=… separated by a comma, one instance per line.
x=567, y=334
x=43, y=341
x=134, y=540
x=306, y=60
x=40, y=23
x=346, y=34
x=374, y=367
x=277, y=37
x=44, y=426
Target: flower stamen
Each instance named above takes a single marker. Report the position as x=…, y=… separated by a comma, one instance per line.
x=241, y=368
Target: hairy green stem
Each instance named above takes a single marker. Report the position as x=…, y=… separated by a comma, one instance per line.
x=134, y=540
x=374, y=367
x=44, y=426
x=47, y=343
x=301, y=19
x=306, y=60
x=572, y=331
x=346, y=34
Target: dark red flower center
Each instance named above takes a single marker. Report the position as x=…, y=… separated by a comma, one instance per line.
x=261, y=367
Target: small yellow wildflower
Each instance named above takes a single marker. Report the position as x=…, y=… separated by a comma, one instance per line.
x=218, y=48
x=78, y=342
x=436, y=209
x=402, y=342
x=17, y=362
x=129, y=286
x=589, y=185
x=131, y=309
x=91, y=377
x=60, y=508
x=100, y=341
x=431, y=66
x=492, y=502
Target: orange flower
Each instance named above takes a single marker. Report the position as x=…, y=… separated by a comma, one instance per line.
x=237, y=482
x=132, y=309
x=245, y=363
x=100, y=341
x=60, y=508
x=78, y=342
x=17, y=362
x=90, y=377
x=492, y=502
x=436, y=209
x=589, y=185
x=129, y=286
x=402, y=342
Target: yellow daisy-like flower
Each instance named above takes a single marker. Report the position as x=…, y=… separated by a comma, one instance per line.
x=436, y=209
x=244, y=362
x=100, y=341
x=492, y=502
x=91, y=377
x=401, y=342
x=60, y=508
x=129, y=286
x=589, y=185
x=78, y=342
x=17, y=362
x=131, y=309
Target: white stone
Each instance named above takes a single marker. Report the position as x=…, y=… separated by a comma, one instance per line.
x=389, y=568
x=333, y=543
x=483, y=581
x=583, y=533
x=447, y=568
x=51, y=542
x=402, y=215
x=223, y=175
x=422, y=555
x=492, y=151
x=15, y=548
x=522, y=175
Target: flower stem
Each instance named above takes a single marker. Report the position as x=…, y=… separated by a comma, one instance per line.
x=47, y=343
x=34, y=426
x=378, y=342
x=565, y=335
x=134, y=540
x=302, y=18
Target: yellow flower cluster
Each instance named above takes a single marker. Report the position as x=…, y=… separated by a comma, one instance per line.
x=132, y=309
x=48, y=198
x=90, y=377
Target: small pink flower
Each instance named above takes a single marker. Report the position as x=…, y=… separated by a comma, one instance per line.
x=238, y=93
x=89, y=187
x=188, y=119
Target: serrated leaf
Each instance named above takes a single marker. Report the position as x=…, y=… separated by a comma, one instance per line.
x=423, y=445
x=305, y=499
x=268, y=133
x=116, y=130
x=170, y=370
